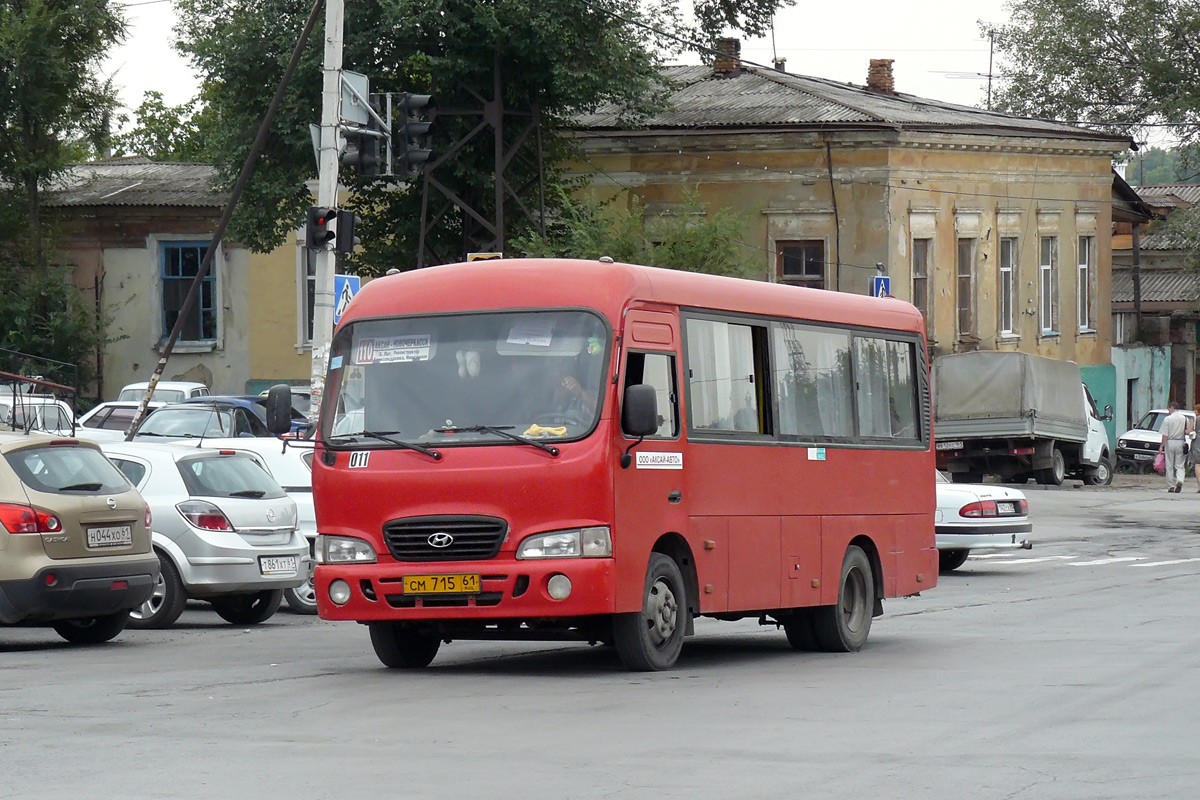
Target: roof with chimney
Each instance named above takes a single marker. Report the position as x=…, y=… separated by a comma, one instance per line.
x=137, y=181
x=737, y=95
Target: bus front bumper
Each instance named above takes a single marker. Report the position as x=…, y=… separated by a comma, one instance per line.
x=507, y=589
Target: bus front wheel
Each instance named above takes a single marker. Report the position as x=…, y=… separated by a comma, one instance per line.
x=651, y=639
x=843, y=628
x=400, y=647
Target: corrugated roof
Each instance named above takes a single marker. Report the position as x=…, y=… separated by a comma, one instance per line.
x=762, y=97
x=1165, y=241
x=1158, y=286
x=1180, y=195
x=137, y=181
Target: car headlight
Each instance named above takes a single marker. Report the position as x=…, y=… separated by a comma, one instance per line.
x=574, y=543
x=344, y=550
x=1122, y=443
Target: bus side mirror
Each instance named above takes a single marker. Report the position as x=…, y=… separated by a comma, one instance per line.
x=639, y=412
x=279, y=409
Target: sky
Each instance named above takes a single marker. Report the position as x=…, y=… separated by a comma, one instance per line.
x=928, y=40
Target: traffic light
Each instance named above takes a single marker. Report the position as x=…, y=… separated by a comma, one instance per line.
x=347, y=221
x=362, y=145
x=411, y=132
x=318, y=228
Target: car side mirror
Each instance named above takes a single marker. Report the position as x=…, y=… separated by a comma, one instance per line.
x=1108, y=414
x=279, y=409
x=639, y=412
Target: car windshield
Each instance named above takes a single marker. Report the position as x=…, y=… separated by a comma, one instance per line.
x=463, y=379
x=201, y=421
x=218, y=475
x=66, y=469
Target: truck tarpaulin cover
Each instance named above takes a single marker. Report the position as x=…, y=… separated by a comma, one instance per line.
x=992, y=384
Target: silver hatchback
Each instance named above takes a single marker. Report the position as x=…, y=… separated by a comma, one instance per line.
x=224, y=532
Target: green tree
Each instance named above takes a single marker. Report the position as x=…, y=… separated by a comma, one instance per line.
x=166, y=133
x=52, y=104
x=560, y=56
x=1155, y=165
x=1123, y=65
x=687, y=238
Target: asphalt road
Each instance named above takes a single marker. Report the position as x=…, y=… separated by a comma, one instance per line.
x=1070, y=671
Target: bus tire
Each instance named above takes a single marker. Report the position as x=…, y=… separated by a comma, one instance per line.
x=650, y=639
x=401, y=647
x=950, y=560
x=843, y=628
x=799, y=629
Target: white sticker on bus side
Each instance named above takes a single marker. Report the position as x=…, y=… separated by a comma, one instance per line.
x=359, y=458
x=816, y=454
x=660, y=460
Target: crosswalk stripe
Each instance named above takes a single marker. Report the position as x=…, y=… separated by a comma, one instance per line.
x=1032, y=560
x=1165, y=563
x=1100, y=561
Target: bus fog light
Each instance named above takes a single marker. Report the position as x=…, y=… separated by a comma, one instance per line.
x=339, y=592
x=559, y=587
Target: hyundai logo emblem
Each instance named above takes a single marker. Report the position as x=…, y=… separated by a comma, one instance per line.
x=440, y=539
x=112, y=502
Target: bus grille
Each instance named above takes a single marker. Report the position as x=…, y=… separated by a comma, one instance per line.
x=470, y=538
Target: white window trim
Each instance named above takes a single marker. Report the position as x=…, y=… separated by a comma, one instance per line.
x=1014, y=277
x=1084, y=282
x=972, y=305
x=158, y=336
x=1047, y=307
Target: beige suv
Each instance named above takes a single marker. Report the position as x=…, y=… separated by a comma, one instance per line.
x=74, y=539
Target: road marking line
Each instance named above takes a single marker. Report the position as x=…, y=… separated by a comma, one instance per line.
x=1165, y=563
x=1010, y=555
x=1107, y=561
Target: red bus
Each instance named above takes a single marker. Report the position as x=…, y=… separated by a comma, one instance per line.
x=577, y=450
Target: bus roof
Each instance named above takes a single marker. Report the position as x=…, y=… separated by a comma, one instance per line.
x=610, y=288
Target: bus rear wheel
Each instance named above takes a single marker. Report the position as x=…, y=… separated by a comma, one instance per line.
x=843, y=628
x=650, y=640
x=400, y=647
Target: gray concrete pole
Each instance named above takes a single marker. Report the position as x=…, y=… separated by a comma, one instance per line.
x=327, y=188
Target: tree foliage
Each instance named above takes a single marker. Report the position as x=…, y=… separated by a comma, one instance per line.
x=561, y=57
x=686, y=238
x=165, y=133
x=1123, y=65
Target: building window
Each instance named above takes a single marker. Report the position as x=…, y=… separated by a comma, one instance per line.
x=1083, y=289
x=801, y=263
x=920, y=280
x=1048, y=285
x=965, y=299
x=180, y=263
x=1008, y=286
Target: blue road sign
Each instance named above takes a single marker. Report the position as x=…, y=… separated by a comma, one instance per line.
x=881, y=286
x=344, y=289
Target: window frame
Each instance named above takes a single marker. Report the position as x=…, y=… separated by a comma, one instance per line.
x=1048, y=286
x=921, y=293
x=673, y=393
x=964, y=300
x=1008, y=273
x=1084, y=294
x=211, y=280
x=803, y=245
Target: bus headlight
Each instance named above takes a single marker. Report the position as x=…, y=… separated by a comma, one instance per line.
x=344, y=550
x=574, y=543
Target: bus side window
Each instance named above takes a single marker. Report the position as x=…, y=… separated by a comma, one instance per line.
x=657, y=370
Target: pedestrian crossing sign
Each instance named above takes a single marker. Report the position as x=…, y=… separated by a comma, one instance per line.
x=344, y=289
x=881, y=286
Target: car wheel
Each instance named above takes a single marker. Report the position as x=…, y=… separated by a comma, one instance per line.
x=843, y=628
x=92, y=630
x=302, y=599
x=401, y=647
x=248, y=609
x=950, y=560
x=1101, y=474
x=166, y=603
x=1056, y=473
x=651, y=639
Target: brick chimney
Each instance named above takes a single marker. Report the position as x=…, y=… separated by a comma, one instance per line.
x=729, y=62
x=780, y=64
x=879, y=76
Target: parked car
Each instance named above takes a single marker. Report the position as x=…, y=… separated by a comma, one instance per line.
x=164, y=391
x=109, y=421
x=1137, y=446
x=210, y=417
x=36, y=413
x=301, y=398
x=74, y=539
x=290, y=464
x=224, y=532
x=973, y=516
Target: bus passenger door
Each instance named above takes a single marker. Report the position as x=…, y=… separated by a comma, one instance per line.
x=648, y=494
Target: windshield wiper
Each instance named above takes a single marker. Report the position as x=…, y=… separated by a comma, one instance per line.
x=248, y=493
x=502, y=430
x=82, y=487
x=386, y=436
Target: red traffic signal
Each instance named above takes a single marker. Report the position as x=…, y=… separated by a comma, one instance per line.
x=320, y=232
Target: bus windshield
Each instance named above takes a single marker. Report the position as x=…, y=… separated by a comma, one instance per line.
x=467, y=378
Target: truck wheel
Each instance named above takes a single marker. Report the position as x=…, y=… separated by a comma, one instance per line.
x=1057, y=473
x=1101, y=474
x=950, y=560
